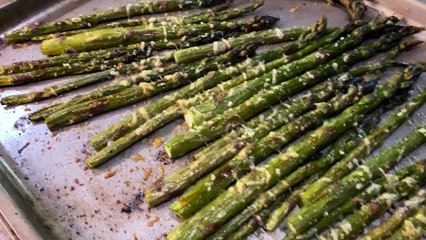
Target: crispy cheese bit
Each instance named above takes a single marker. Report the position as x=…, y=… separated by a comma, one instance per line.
x=137, y=157
x=345, y=226
x=295, y=9
x=216, y=48
x=227, y=44
x=409, y=231
x=279, y=33
x=157, y=142
x=110, y=174
x=388, y=198
x=374, y=187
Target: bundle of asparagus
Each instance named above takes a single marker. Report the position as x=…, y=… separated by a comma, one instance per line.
x=248, y=106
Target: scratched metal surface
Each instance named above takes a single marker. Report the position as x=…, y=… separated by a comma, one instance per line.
x=86, y=204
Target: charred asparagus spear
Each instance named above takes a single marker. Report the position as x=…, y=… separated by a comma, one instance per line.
x=389, y=182
x=127, y=11
x=131, y=122
x=374, y=140
x=144, y=90
x=217, y=14
x=357, y=181
x=217, y=126
x=413, y=228
x=239, y=196
x=107, y=38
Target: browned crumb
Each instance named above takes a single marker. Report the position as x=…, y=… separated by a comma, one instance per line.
x=151, y=223
x=157, y=142
x=20, y=45
x=127, y=183
x=157, y=183
x=22, y=148
x=110, y=174
x=137, y=157
x=147, y=173
x=163, y=157
x=295, y=9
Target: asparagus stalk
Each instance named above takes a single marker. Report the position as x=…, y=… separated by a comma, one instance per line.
x=354, y=224
x=134, y=120
x=368, y=145
x=86, y=21
x=413, y=228
x=388, y=183
x=67, y=69
x=217, y=14
x=259, y=180
x=212, y=129
x=253, y=130
x=356, y=181
x=106, y=38
x=393, y=222
x=143, y=90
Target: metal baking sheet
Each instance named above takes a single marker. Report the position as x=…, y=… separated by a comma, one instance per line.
x=83, y=204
